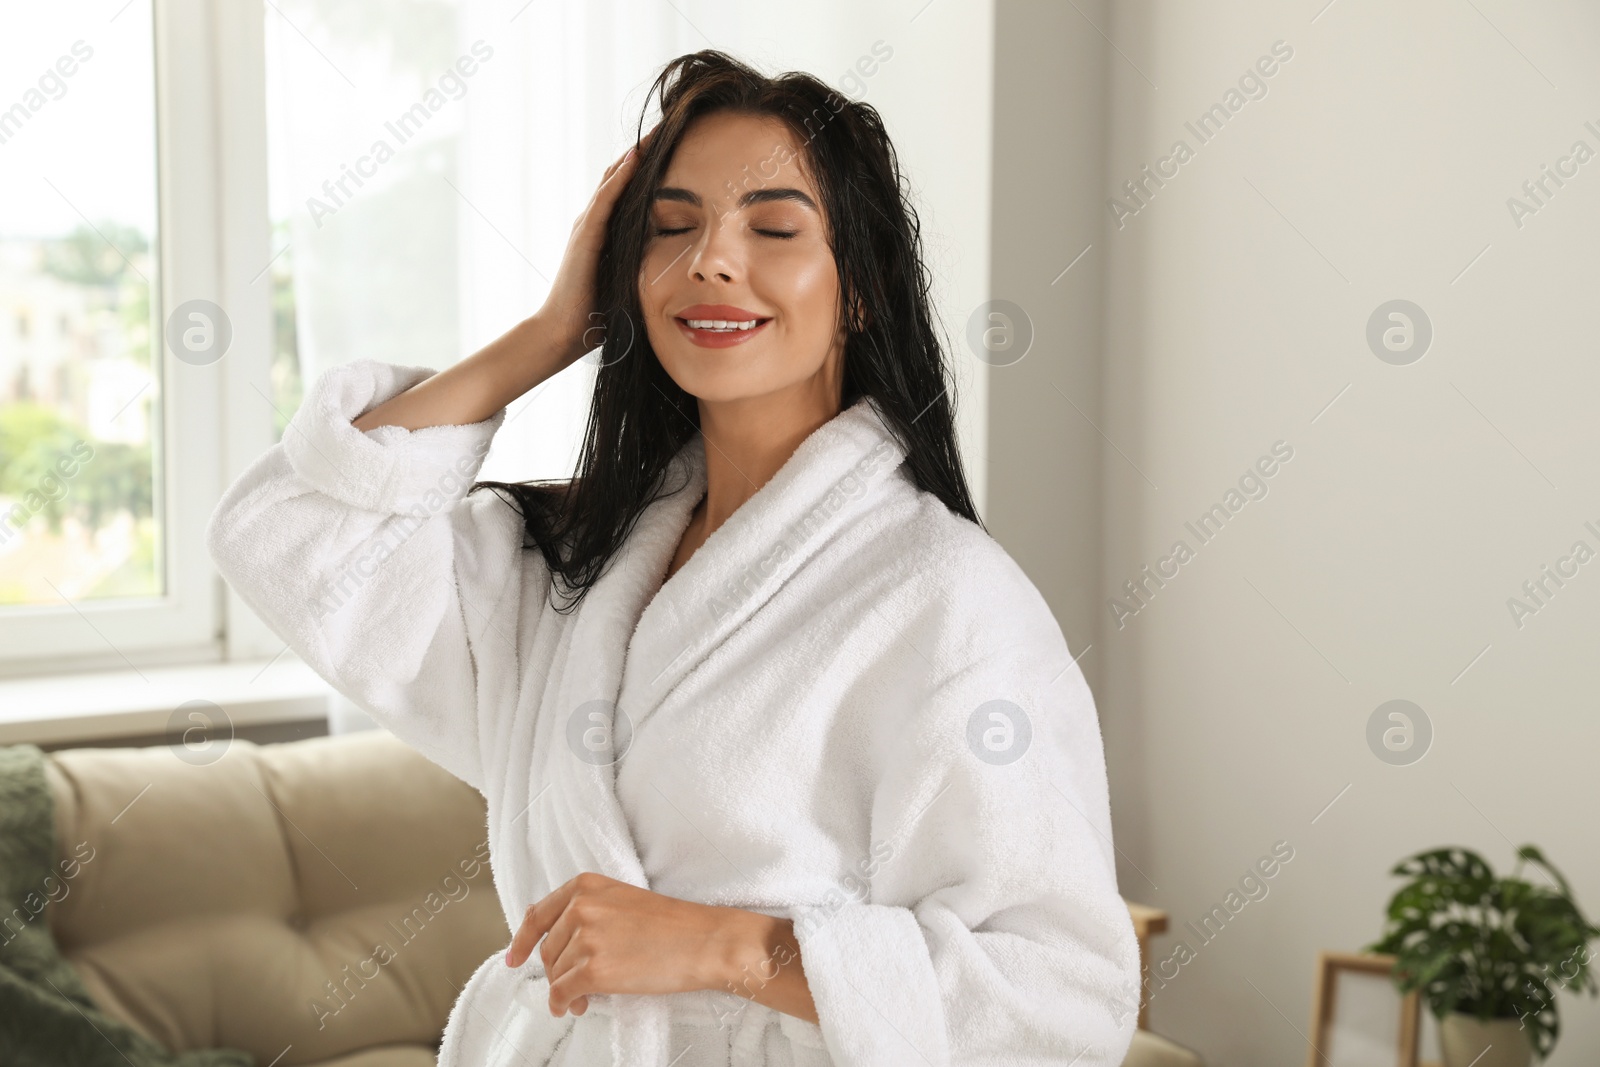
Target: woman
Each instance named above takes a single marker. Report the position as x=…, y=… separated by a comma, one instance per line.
x=799, y=770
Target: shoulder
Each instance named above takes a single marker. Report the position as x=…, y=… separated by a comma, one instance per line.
x=981, y=587
x=981, y=665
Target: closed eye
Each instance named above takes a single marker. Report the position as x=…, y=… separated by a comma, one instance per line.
x=780, y=234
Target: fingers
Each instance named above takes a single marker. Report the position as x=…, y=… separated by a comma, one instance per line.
x=526, y=937
x=588, y=225
x=542, y=916
x=547, y=920
x=569, y=975
x=556, y=942
x=644, y=143
x=623, y=167
x=629, y=159
x=536, y=922
x=565, y=962
x=611, y=184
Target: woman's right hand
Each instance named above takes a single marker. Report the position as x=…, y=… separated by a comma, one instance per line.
x=570, y=310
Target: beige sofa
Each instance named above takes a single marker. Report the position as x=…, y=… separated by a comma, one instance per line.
x=241, y=900
x=319, y=901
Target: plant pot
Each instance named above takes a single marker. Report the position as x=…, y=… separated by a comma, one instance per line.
x=1463, y=1039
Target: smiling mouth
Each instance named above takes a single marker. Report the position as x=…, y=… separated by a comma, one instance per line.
x=720, y=333
x=723, y=325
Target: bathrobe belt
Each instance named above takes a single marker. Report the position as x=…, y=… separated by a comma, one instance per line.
x=708, y=1008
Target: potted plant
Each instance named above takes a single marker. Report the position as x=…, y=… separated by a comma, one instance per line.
x=1487, y=953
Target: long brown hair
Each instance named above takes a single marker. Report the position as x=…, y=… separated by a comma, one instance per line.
x=640, y=417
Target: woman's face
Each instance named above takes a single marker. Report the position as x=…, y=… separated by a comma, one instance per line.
x=737, y=236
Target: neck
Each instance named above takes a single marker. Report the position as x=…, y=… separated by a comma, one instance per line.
x=747, y=440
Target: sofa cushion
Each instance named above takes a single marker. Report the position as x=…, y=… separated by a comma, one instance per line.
x=301, y=901
x=1153, y=1050
x=386, y=1056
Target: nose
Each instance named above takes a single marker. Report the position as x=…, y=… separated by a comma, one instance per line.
x=713, y=255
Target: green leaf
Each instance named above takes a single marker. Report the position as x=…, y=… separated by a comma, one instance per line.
x=1486, y=946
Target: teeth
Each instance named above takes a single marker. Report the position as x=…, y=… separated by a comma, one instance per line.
x=721, y=324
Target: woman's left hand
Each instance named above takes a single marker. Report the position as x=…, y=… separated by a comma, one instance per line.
x=605, y=936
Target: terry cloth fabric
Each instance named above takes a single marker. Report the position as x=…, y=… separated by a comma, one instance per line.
x=849, y=708
x=46, y=1016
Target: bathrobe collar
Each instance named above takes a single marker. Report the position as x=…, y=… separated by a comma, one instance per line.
x=660, y=632
x=829, y=478
x=663, y=631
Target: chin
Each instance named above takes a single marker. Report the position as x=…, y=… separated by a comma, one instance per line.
x=709, y=373
x=711, y=385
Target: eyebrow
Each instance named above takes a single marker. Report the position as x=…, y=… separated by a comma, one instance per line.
x=754, y=196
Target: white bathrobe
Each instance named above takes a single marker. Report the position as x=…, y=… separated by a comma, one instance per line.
x=849, y=708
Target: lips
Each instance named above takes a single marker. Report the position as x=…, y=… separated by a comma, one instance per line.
x=725, y=312
x=719, y=325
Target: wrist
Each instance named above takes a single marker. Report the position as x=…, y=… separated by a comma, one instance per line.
x=747, y=951
x=564, y=339
x=523, y=358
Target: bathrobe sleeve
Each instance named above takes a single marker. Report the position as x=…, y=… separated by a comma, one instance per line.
x=990, y=929
x=365, y=555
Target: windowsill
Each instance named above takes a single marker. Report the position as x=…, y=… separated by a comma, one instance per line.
x=108, y=704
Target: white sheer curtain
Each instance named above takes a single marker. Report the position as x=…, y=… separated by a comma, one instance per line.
x=531, y=155
x=453, y=238
x=456, y=237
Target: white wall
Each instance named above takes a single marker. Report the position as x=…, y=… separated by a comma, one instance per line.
x=1049, y=260
x=1379, y=565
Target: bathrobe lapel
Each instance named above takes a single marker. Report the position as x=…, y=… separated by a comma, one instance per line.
x=581, y=826
x=633, y=639
x=586, y=735
x=831, y=477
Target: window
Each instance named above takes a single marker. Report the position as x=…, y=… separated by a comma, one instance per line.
x=88, y=519
x=77, y=440
x=423, y=179
x=194, y=225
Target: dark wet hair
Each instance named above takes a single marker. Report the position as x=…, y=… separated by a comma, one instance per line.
x=640, y=417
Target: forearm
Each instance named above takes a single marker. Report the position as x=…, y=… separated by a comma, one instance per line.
x=759, y=959
x=483, y=383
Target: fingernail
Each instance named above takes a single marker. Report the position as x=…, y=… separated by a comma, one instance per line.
x=631, y=153
x=508, y=957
